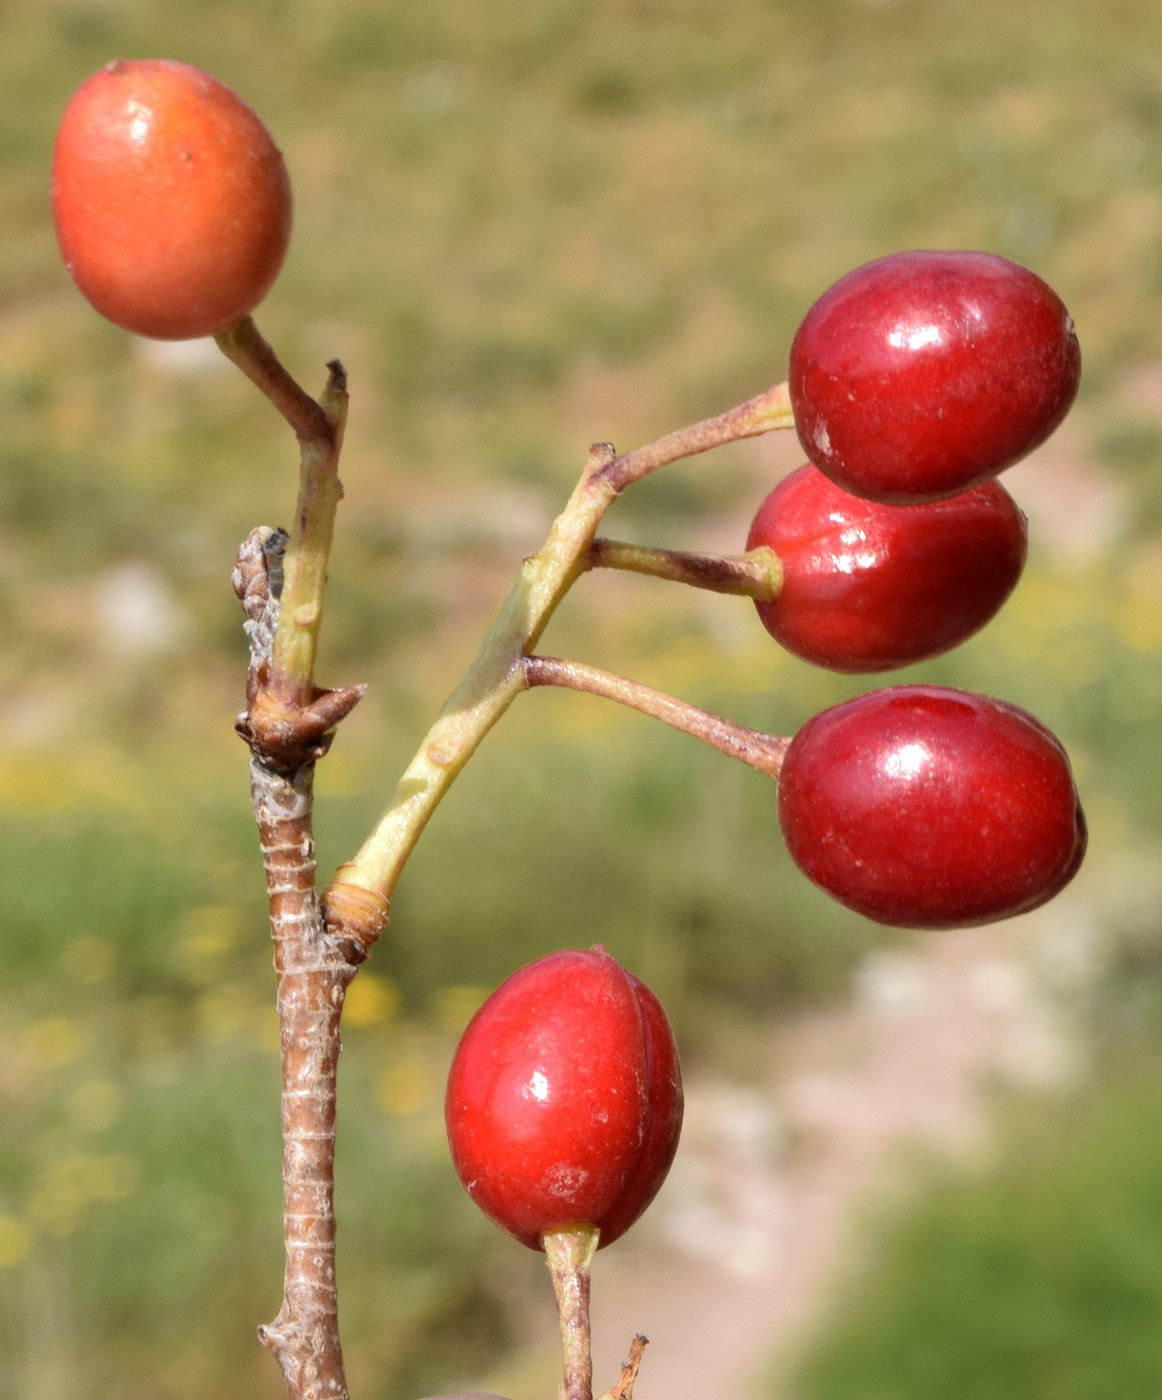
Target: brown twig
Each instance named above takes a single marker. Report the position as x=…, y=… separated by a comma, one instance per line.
x=623, y=1390
x=312, y=981
x=314, y=969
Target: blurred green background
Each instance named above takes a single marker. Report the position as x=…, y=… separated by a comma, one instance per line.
x=523, y=227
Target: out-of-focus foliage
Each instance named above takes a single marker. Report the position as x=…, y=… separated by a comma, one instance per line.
x=523, y=227
x=1036, y=1278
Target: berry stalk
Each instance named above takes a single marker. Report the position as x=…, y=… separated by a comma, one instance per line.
x=245, y=346
x=758, y=750
x=318, y=425
x=761, y=414
x=569, y=1254
x=756, y=574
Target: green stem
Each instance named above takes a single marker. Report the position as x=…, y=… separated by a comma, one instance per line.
x=757, y=574
x=296, y=641
x=496, y=677
x=494, y=680
x=758, y=750
x=319, y=427
x=569, y=1254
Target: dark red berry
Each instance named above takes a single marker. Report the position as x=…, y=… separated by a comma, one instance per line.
x=926, y=807
x=868, y=586
x=564, y=1099
x=923, y=373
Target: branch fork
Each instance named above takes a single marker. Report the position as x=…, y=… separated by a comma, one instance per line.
x=289, y=723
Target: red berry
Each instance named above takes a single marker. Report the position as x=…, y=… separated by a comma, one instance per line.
x=564, y=1099
x=171, y=201
x=921, y=374
x=868, y=586
x=926, y=807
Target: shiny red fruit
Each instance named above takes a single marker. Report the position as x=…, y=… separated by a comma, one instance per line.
x=170, y=199
x=868, y=587
x=564, y=1099
x=925, y=807
x=924, y=373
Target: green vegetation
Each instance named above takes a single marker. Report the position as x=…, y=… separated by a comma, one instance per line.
x=523, y=228
x=1038, y=1279
x=1033, y=1274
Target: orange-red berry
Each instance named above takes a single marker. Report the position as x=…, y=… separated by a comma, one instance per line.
x=171, y=201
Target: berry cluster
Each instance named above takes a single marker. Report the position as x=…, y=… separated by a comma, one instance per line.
x=915, y=805
x=914, y=380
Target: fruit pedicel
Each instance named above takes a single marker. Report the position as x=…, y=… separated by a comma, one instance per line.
x=913, y=382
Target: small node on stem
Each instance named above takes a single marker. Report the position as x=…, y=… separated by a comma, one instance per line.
x=285, y=736
x=336, y=381
x=355, y=916
x=257, y=575
x=600, y=455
